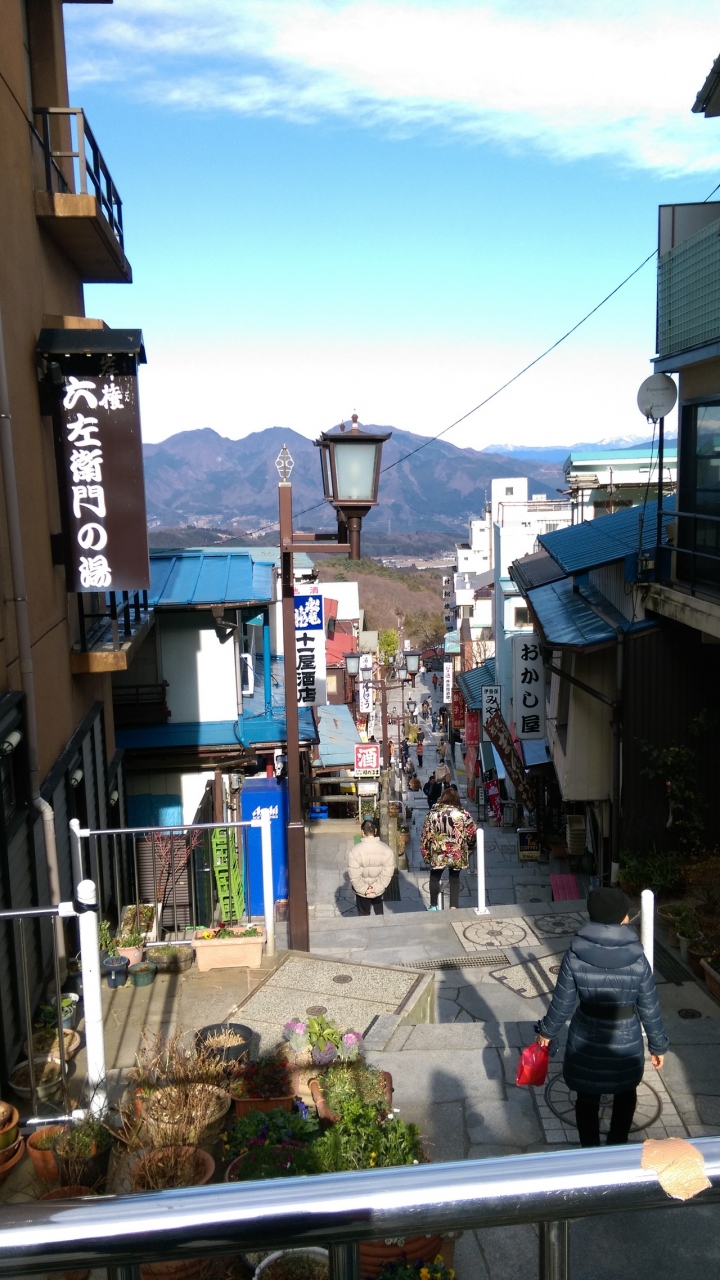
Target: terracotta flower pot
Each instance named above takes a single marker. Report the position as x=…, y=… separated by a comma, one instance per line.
x=7, y=1153
x=44, y=1162
x=85, y=1171
x=376, y=1254
x=323, y=1109
x=9, y=1165
x=205, y=1170
x=696, y=956
x=712, y=978
x=133, y=955
x=243, y=1106
x=9, y=1131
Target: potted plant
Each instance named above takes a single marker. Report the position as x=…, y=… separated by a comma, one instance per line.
x=143, y=974
x=670, y=913
x=711, y=970
x=272, y=1127
x=9, y=1120
x=688, y=930
x=229, y=947
x=295, y=1264
x=260, y=1160
x=48, y=1078
x=40, y=1151
x=229, y=1041
x=116, y=968
x=130, y=945
x=68, y=1011
x=263, y=1085
x=406, y=1268
x=106, y=941
x=344, y=1080
x=163, y=1168
x=46, y=1043
x=82, y=1152
x=185, y=1115
x=170, y=958
x=698, y=950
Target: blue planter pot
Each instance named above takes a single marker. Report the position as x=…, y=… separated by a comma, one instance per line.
x=116, y=968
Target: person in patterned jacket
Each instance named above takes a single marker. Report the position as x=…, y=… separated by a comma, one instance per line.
x=447, y=838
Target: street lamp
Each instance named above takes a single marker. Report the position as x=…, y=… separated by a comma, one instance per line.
x=352, y=664
x=412, y=661
x=351, y=475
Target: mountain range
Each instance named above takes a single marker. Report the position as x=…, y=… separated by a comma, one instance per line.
x=203, y=478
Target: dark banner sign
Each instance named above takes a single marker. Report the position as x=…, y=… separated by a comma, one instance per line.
x=499, y=734
x=99, y=450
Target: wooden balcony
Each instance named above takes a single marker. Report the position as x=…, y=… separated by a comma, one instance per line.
x=111, y=630
x=76, y=200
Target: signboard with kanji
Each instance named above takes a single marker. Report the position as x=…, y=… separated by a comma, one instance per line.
x=458, y=709
x=447, y=682
x=310, y=651
x=490, y=704
x=471, y=729
x=367, y=759
x=528, y=686
x=499, y=735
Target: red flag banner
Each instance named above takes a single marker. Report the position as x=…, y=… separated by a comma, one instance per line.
x=499, y=734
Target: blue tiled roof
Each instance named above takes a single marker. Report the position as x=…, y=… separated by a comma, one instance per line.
x=338, y=735
x=568, y=621
x=605, y=539
x=209, y=576
x=249, y=731
x=471, y=683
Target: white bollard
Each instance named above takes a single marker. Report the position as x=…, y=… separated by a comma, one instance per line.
x=92, y=996
x=481, y=909
x=647, y=925
x=267, y=874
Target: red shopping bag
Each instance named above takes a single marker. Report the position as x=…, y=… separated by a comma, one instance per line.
x=533, y=1065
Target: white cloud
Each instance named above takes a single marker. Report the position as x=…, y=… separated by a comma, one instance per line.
x=599, y=79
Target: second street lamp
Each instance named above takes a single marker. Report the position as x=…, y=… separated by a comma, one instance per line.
x=351, y=475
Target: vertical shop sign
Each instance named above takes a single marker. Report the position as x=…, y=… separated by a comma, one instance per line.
x=471, y=729
x=447, y=682
x=528, y=686
x=490, y=704
x=99, y=456
x=310, y=651
x=500, y=736
x=458, y=709
x=365, y=689
x=367, y=760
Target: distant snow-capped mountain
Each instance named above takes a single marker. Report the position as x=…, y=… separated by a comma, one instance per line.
x=559, y=452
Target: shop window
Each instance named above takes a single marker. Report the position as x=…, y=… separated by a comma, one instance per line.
x=522, y=616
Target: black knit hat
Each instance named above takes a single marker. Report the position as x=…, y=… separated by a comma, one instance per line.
x=607, y=906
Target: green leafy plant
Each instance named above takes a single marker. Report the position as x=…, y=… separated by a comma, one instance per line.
x=657, y=870
x=106, y=941
x=346, y=1081
x=268, y=1077
x=366, y=1138
x=83, y=1139
x=226, y=932
x=418, y=1270
x=272, y=1127
x=387, y=645
x=286, y=1159
x=688, y=925
x=131, y=939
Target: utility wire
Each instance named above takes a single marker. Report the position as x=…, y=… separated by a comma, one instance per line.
x=431, y=439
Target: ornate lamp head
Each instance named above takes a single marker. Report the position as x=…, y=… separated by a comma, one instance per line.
x=284, y=464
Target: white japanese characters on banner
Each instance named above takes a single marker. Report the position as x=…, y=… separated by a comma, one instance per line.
x=310, y=651
x=490, y=704
x=365, y=689
x=447, y=682
x=528, y=686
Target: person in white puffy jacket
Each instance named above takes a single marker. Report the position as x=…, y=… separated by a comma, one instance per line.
x=370, y=865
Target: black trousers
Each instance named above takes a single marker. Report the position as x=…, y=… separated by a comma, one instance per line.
x=364, y=905
x=435, y=878
x=587, y=1116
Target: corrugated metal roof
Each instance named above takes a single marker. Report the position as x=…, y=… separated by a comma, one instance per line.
x=471, y=683
x=535, y=570
x=338, y=735
x=605, y=539
x=249, y=731
x=208, y=576
x=568, y=621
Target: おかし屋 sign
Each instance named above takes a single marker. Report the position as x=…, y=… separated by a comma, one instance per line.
x=528, y=686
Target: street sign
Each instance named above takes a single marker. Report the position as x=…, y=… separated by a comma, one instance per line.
x=365, y=689
x=528, y=686
x=447, y=682
x=367, y=759
x=310, y=651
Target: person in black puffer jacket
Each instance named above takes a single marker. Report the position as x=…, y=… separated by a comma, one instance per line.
x=606, y=967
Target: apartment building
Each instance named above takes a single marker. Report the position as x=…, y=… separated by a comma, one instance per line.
x=601, y=482
x=62, y=631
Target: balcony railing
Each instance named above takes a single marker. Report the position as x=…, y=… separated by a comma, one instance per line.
x=113, y=621
x=138, y=704
x=550, y=1188
x=76, y=166
x=688, y=293
x=694, y=561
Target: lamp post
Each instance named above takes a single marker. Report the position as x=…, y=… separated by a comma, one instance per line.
x=351, y=476
x=352, y=666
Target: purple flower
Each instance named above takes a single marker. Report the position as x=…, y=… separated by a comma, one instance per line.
x=325, y=1056
x=351, y=1044
x=294, y=1027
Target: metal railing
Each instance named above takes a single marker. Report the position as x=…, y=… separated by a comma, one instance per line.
x=114, y=620
x=183, y=872
x=137, y=704
x=84, y=161
x=696, y=566
x=339, y=1210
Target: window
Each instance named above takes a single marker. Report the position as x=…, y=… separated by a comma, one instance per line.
x=332, y=682
x=509, y=492
x=700, y=493
x=7, y=781
x=522, y=616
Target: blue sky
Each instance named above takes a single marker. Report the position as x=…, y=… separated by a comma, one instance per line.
x=391, y=207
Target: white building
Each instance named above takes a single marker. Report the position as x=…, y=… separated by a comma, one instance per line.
x=603, y=482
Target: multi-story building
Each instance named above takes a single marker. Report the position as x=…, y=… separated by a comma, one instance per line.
x=604, y=481
x=61, y=226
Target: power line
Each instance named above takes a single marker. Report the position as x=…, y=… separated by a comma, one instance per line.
x=431, y=439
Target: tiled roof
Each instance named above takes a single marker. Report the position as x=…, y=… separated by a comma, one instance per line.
x=208, y=576
x=471, y=683
x=607, y=538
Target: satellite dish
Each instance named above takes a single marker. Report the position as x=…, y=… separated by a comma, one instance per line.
x=657, y=396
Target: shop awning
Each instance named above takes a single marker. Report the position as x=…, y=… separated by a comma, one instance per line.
x=338, y=735
x=471, y=683
x=569, y=621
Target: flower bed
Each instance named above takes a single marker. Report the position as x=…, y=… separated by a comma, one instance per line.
x=229, y=948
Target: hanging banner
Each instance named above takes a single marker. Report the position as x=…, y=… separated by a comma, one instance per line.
x=310, y=651
x=472, y=726
x=458, y=709
x=490, y=704
x=528, y=686
x=365, y=690
x=447, y=682
x=100, y=466
x=492, y=797
x=499, y=735
x=470, y=762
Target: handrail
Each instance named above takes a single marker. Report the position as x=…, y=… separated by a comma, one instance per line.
x=546, y=1187
x=91, y=166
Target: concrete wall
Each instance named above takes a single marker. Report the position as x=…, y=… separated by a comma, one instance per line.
x=200, y=671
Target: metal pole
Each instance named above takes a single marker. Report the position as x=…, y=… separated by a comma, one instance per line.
x=61, y=1032
x=76, y=853
x=658, y=536
x=344, y=1261
x=267, y=872
x=481, y=908
x=28, y=1014
x=647, y=925
x=298, y=922
x=554, y=1250
x=92, y=996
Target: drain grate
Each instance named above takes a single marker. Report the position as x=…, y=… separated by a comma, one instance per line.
x=670, y=968
x=459, y=962
x=392, y=893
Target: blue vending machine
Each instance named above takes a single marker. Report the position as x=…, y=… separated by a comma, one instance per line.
x=266, y=793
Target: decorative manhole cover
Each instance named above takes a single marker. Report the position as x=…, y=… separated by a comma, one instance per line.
x=496, y=933
x=689, y=1013
x=342, y=977
x=316, y=1010
x=561, y=1102
x=555, y=968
